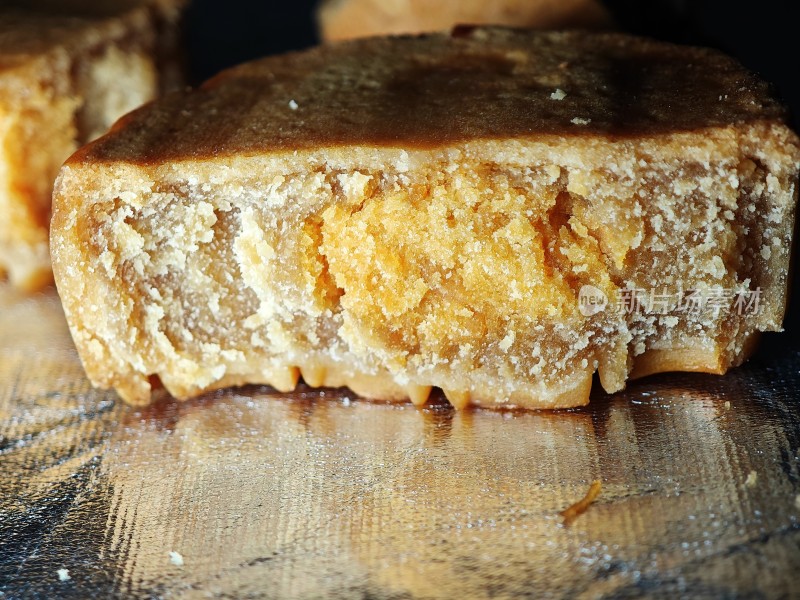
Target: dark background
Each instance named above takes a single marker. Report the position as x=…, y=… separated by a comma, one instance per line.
x=764, y=35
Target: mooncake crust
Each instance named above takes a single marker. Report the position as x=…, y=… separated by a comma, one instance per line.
x=434, y=90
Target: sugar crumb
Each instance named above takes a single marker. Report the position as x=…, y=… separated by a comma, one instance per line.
x=580, y=121
x=293, y=105
x=63, y=575
x=176, y=558
x=559, y=94
x=727, y=405
x=507, y=341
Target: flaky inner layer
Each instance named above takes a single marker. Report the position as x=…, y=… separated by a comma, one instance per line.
x=469, y=277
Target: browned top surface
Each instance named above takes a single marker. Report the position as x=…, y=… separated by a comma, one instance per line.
x=435, y=90
x=29, y=28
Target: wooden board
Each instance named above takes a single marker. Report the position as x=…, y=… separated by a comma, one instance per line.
x=320, y=494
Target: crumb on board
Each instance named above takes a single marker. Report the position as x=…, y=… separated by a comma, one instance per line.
x=797, y=501
x=752, y=478
x=570, y=513
x=580, y=121
x=293, y=105
x=176, y=558
x=63, y=575
x=727, y=405
x=559, y=94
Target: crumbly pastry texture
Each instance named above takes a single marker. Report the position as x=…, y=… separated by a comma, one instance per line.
x=405, y=213
x=68, y=70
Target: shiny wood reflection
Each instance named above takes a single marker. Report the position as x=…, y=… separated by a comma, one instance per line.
x=319, y=493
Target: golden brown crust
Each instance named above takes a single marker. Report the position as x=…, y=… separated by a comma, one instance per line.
x=346, y=19
x=435, y=90
x=697, y=358
x=30, y=29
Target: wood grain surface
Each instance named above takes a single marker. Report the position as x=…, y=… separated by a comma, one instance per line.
x=320, y=494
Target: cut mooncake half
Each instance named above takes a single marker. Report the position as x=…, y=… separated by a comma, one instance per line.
x=497, y=213
x=68, y=70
